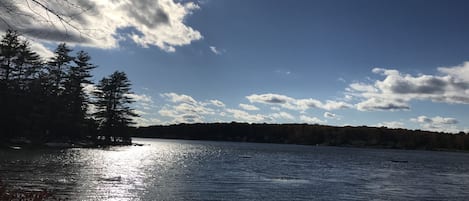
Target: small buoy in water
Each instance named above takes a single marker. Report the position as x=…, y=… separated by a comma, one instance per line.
x=399, y=161
x=118, y=178
x=245, y=156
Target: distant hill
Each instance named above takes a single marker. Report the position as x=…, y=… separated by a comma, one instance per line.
x=305, y=134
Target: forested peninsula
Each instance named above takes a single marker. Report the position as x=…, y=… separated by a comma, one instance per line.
x=54, y=102
x=306, y=134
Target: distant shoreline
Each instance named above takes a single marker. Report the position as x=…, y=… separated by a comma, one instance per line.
x=308, y=145
x=306, y=134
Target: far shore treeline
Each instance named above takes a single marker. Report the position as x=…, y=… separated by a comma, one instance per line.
x=44, y=100
x=306, y=134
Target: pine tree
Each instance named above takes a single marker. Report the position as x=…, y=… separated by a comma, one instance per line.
x=9, y=46
x=8, y=54
x=76, y=99
x=58, y=66
x=19, y=64
x=25, y=69
x=28, y=65
x=113, y=111
x=57, y=69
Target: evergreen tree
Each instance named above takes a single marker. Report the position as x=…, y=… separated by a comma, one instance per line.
x=19, y=65
x=8, y=54
x=113, y=111
x=9, y=46
x=76, y=99
x=27, y=66
x=58, y=66
x=25, y=70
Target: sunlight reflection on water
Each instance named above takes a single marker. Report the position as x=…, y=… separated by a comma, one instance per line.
x=126, y=172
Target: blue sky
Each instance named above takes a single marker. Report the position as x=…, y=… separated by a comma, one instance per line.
x=337, y=62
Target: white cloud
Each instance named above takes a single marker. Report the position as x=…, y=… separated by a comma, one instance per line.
x=183, y=113
x=179, y=98
x=215, y=50
x=41, y=50
x=248, y=107
x=185, y=109
x=378, y=103
x=435, y=120
x=437, y=123
x=144, y=107
x=217, y=103
x=311, y=120
x=460, y=73
x=335, y=105
x=140, y=121
x=302, y=104
x=296, y=104
x=96, y=23
x=141, y=98
x=246, y=117
x=361, y=87
x=282, y=115
x=269, y=99
x=396, y=90
x=140, y=112
x=330, y=115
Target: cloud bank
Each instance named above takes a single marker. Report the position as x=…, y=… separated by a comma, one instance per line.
x=438, y=123
x=99, y=23
x=397, y=90
x=185, y=109
x=296, y=104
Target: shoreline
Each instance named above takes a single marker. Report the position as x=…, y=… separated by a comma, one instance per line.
x=317, y=145
x=69, y=144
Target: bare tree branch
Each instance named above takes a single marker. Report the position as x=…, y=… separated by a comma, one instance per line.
x=61, y=15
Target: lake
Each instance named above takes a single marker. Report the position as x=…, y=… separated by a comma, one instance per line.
x=203, y=170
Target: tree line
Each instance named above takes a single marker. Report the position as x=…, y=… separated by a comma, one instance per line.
x=305, y=134
x=44, y=100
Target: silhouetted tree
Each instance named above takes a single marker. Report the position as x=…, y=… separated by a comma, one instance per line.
x=27, y=66
x=74, y=95
x=18, y=66
x=9, y=46
x=47, y=102
x=112, y=104
x=58, y=66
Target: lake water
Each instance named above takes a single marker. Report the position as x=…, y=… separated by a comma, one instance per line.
x=201, y=170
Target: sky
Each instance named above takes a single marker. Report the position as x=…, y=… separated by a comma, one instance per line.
x=393, y=63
